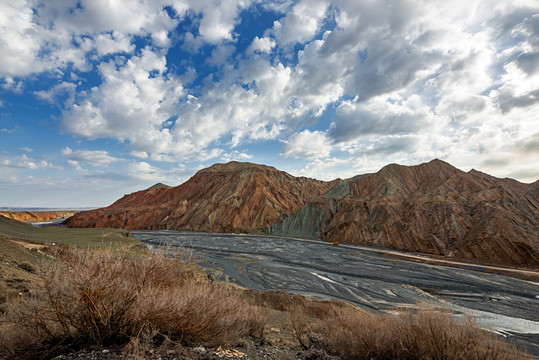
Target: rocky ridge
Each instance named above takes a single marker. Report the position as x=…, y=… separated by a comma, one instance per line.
x=432, y=208
x=232, y=197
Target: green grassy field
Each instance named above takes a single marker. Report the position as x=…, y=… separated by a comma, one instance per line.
x=20, y=255
x=101, y=238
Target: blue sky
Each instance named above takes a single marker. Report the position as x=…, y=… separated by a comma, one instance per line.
x=102, y=98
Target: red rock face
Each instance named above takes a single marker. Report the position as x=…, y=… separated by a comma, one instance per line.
x=233, y=197
x=438, y=209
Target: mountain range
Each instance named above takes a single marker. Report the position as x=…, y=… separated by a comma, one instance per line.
x=432, y=208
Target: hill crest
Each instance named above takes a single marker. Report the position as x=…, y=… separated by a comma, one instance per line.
x=232, y=197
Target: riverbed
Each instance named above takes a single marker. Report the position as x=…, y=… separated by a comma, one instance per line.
x=364, y=276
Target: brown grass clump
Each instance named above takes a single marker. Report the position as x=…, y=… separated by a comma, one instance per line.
x=106, y=298
x=427, y=333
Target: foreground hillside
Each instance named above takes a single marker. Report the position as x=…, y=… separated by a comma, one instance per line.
x=233, y=197
x=87, y=303
x=432, y=208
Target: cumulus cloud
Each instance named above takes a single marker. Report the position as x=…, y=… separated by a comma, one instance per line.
x=302, y=23
x=56, y=34
x=236, y=156
x=58, y=91
x=134, y=102
x=381, y=81
x=220, y=54
x=144, y=171
x=308, y=145
x=25, y=162
x=263, y=45
x=19, y=38
x=326, y=169
x=218, y=18
x=88, y=157
x=111, y=43
x=355, y=120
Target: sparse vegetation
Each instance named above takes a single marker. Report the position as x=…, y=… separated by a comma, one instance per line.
x=427, y=333
x=133, y=302
x=104, y=298
x=96, y=238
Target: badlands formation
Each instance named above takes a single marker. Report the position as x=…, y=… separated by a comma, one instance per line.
x=432, y=208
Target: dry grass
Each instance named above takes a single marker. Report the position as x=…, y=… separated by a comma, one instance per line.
x=423, y=334
x=105, y=298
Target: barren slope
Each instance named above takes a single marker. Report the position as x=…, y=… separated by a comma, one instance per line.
x=233, y=197
x=432, y=208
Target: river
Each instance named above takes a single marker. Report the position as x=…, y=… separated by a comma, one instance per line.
x=364, y=276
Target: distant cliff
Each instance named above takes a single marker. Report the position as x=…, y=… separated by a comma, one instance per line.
x=432, y=208
x=35, y=215
x=233, y=197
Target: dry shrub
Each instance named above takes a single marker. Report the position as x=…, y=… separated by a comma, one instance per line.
x=26, y=266
x=105, y=298
x=3, y=293
x=423, y=334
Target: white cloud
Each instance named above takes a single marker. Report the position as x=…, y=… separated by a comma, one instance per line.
x=12, y=85
x=307, y=144
x=143, y=171
x=264, y=45
x=355, y=120
x=236, y=156
x=134, y=103
x=54, y=34
x=301, y=24
x=327, y=169
x=25, y=162
x=18, y=38
x=53, y=94
x=218, y=18
x=220, y=54
x=404, y=80
x=110, y=44
x=88, y=157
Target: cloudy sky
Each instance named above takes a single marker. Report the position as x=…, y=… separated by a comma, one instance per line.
x=99, y=98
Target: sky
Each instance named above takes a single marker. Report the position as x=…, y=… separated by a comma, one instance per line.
x=101, y=98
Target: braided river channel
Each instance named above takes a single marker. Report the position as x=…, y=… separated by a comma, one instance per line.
x=369, y=277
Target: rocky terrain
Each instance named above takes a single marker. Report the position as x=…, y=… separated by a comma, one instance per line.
x=233, y=197
x=35, y=215
x=431, y=208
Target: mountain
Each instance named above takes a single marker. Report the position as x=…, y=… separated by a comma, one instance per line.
x=232, y=197
x=431, y=208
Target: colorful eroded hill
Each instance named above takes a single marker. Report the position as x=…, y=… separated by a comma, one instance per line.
x=432, y=208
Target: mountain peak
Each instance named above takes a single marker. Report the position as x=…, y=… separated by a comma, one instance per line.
x=236, y=166
x=439, y=162
x=159, y=186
